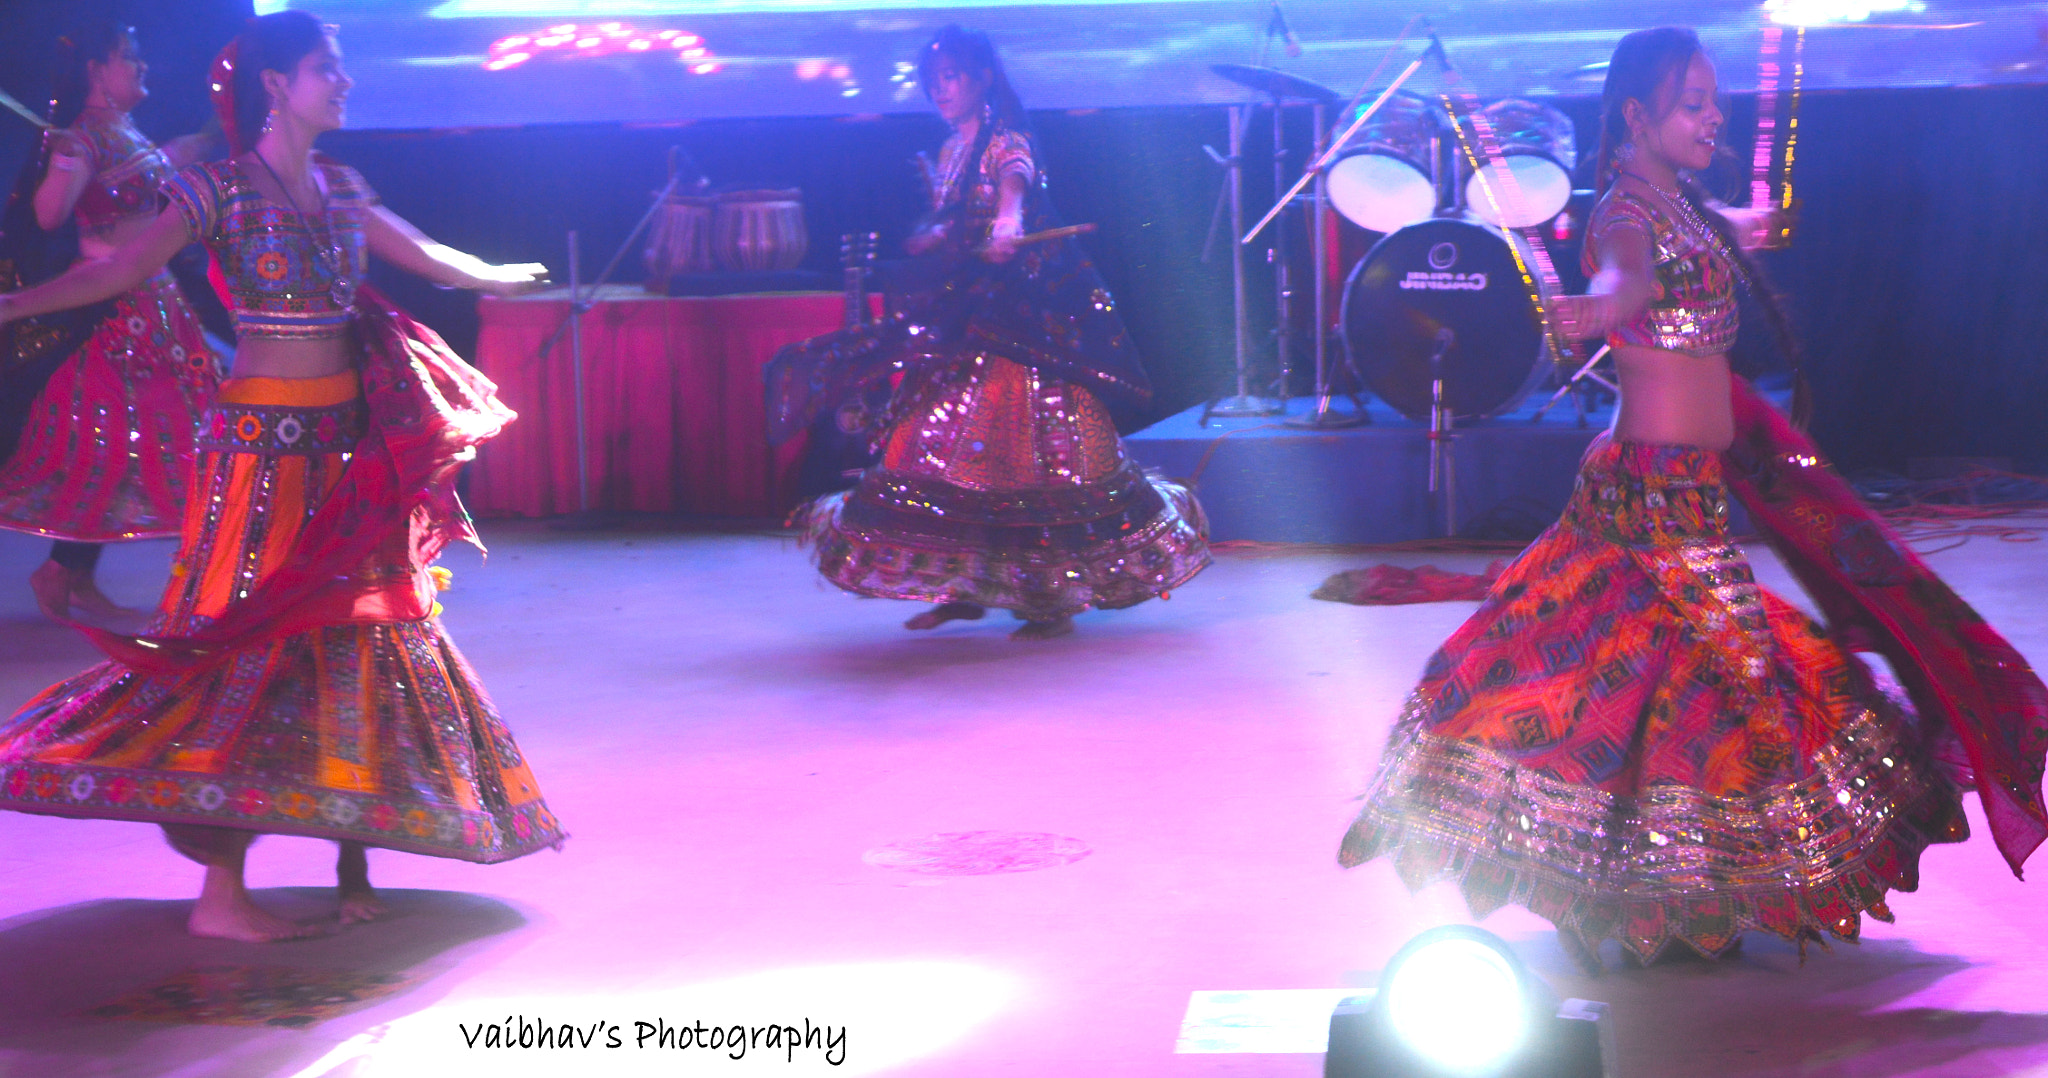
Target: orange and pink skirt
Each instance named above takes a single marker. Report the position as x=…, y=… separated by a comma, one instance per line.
x=373, y=731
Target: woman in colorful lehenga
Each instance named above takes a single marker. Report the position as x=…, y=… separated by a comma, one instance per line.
x=98, y=404
x=1002, y=481
x=296, y=679
x=1631, y=738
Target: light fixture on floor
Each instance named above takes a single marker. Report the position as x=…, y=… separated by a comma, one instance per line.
x=1455, y=1002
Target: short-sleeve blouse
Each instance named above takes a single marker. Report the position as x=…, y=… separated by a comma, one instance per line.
x=267, y=254
x=1008, y=154
x=1693, y=308
x=127, y=169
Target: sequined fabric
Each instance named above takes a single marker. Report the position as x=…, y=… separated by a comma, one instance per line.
x=1693, y=308
x=1633, y=740
x=1006, y=487
x=128, y=170
x=266, y=254
x=375, y=731
x=107, y=451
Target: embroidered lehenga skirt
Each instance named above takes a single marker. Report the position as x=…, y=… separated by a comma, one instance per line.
x=108, y=445
x=1633, y=740
x=369, y=731
x=1007, y=487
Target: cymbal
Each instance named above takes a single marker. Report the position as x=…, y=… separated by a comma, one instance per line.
x=1277, y=83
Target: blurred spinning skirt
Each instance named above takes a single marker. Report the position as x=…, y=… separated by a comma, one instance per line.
x=371, y=728
x=1633, y=740
x=106, y=450
x=1007, y=487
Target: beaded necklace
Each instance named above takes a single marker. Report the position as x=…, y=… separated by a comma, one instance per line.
x=327, y=253
x=1690, y=219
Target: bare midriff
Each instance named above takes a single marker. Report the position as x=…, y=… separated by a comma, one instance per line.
x=1671, y=398
x=103, y=241
x=269, y=357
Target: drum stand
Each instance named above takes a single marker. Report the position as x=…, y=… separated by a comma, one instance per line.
x=1585, y=373
x=1321, y=417
x=1244, y=403
x=1443, y=461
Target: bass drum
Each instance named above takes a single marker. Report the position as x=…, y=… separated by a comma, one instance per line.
x=1443, y=274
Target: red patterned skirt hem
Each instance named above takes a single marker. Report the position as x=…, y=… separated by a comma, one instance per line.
x=108, y=447
x=1632, y=739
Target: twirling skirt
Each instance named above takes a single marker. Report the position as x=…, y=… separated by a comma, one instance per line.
x=370, y=731
x=108, y=447
x=1008, y=488
x=1633, y=740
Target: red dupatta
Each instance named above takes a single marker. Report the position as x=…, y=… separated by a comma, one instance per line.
x=428, y=411
x=1881, y=597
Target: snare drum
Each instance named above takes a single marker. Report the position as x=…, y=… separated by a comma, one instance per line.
x=1387, y=177
x=1443, y=274
x=759, y=230
x=1538, y=148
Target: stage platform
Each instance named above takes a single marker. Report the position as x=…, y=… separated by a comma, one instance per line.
x=1261, y=479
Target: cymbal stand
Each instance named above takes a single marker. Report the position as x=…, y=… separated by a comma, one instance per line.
x=1281, y=256
x=1322, y=417
x=1443, y=461
x=1585, y=373
x=1244, y=402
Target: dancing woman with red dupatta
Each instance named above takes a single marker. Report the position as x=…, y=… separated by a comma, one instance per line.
x=97, y=403
x=296, y=679
x=1630, y=737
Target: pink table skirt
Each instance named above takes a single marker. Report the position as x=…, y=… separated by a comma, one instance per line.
x=675, y=411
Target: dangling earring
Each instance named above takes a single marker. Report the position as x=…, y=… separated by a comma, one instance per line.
x=269, y=122
x=1625, y=153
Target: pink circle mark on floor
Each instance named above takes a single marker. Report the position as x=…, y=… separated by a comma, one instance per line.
x=979, y=853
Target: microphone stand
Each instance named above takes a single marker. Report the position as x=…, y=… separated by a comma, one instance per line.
x=1443, y=463
x=580, y=303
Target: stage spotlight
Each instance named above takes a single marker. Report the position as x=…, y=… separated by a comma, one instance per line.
x=1456, y=1002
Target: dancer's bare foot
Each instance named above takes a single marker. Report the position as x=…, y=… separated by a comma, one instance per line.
x=225, y=911
x=1043, y=630
x=359, y=903
x=51, y=583
x=89, y=599
x=945, y=612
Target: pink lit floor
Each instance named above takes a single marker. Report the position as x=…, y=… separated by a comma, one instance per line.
x=725, y=738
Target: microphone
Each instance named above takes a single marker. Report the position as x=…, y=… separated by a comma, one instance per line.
x=1287, y=38
x=677, y=156
x=1436, y=46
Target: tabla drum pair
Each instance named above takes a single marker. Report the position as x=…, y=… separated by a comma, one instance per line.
x=1448, y=273
x=734, y=231
x=1391, y=173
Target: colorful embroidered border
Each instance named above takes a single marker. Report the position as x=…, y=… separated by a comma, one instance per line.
x=1679, y=864
x=277, y=808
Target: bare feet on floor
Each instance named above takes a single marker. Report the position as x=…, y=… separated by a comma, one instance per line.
x=359, y=903
x=1043, y=630
x=52, y=584
x=225, y=911
x=945, y=612
x=65, y=594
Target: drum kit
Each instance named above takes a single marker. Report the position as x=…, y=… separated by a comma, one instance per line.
x=1450, y=256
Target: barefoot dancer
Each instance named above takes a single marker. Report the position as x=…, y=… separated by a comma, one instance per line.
x=296, y=679
x=98, y=404
x=1002, y=481
x=1631, y=738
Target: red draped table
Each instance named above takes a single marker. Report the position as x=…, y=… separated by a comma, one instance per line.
x=675, y=411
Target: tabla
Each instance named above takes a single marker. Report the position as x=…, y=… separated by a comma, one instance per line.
x=1387, y=176
x=680, y=241
x=759, y=230
x=1440, y=274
